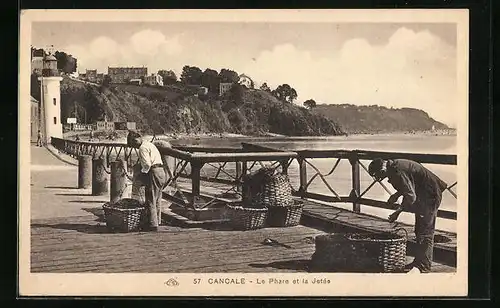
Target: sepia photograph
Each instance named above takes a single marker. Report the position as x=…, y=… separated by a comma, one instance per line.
x=243, y=152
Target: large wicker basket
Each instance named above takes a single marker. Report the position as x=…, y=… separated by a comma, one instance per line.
x=368, y=253
x=273, y=190
x=244, y=218
x=285, y=216
x=266, y=188
x=253, y=186
x=127, y=215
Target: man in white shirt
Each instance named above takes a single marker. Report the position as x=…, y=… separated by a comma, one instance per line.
x=151, y=166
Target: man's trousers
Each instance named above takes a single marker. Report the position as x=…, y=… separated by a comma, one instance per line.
x=154, y=187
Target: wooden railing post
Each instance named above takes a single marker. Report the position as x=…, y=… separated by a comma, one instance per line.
x=244, y=169
x=195, y=181
x=356, y=185
x=239, y=173
x=303, y=176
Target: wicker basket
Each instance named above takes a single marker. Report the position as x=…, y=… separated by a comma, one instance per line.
x=127, y=215
x=285, y=216
x=265, y=188
x=375, y=253
x=276, y=191
x=253, y=185
x=242, y=218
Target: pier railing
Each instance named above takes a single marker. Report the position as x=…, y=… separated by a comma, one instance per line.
x=219, y=171
x=359, y=161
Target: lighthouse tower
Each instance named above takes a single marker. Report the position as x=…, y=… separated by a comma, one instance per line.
x=50, y=111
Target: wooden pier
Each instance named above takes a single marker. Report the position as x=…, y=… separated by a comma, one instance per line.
x=82, y=244
x=196, y=239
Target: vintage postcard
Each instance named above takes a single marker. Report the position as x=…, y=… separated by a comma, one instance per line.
x=243, y=153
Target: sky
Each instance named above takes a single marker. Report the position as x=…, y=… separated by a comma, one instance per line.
x=387, y=64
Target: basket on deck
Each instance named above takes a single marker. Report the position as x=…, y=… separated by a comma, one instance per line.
x=253, y=187
x=285, y=216
x=266, y=188
x=125, y=215
x=245, y=218
x=369, y=253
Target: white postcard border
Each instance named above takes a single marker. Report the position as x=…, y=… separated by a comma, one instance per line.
x=434, y=284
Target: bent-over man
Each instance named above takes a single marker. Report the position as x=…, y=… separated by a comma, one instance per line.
x=152, y=166
x=422, y=192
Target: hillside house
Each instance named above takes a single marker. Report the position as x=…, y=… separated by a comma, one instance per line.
x=82, y=127
x=37, y=61
x=224, y=87
x=125, y=126
x=104, y=126
x=125, y=74
x=202, y=91
x=137, y=81
x=100, y=77
x=91, y=75
x=197, y=89
x=246, y=81
x=153, y=80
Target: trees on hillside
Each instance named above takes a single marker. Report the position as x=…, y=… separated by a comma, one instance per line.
x=211, y=80
x=228, y=76
x=310, y=103
x=265, y=87
x=285, y=93
x=168, y=76
x=236, y=94
x=191, y=75
x=65, y=62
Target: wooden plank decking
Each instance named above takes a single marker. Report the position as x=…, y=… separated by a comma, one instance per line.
x=316, y=214
x=370, y=223
x=334, y=218
x=82, y=244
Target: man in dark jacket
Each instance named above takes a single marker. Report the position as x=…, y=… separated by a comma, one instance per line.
x=422, y=192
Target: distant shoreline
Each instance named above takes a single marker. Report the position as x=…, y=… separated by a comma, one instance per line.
x=272, y=137
x=417, y=133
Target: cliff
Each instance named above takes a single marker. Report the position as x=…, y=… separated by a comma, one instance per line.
x=176, y=108
x=378, y=119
